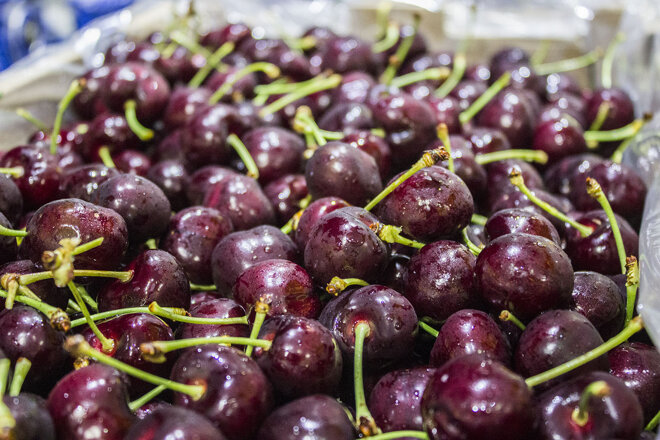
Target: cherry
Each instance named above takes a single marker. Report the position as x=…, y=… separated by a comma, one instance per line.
x=374, y=146
x=563, y=105
x=88, y=102
x=169, y=421
x=347, y=115
x=465, y=165
x=171, y=177
x=232, y=32
x=446, y=112
x=516, y=220
x=191, y=237
x=318, y=416
x=560, y=84
x=347, y=54
x=241, y=83
x=141, y=203
x=150, y=407
x=238, y=395
x=240, y=250
x=183, y=104
x=524, y=274
x=559, y=138
x=440, y=279
x=132, y=162
x=203, y=138
x=303, y=359
x=311, y=215
x=396, y=272
x=74, y=218
x=44, y=289
x=638, y=365
x=202, y=179
x=282, y=284
x=127, y=333
x=512, y=113
x=555, y=337
x=466, y=92
x=343, y=244
x=354, y=87
x=487, y=140
x=286, y=194
x=597, y=298
x=507, y=59
x=108, y=130
x=157, y=276
x=562, y=175
x=617, y=414
x=39, y=183
x=33, y=421
x=337, y=169
x=433, y=203
x=81, y=182
x=621, y=111
x=470, y=331
x=275, y=150
x=11, y=200
x=99, y=394
x=215, y=308
x=8, y=246
x=473, y=397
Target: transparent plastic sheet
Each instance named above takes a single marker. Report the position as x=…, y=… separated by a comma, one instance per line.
x=572, y=26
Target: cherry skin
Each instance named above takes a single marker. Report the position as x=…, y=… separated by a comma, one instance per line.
x=11, y=200
x=500, y=401
x=470, y=331
x=347, y=54
x=141, y=203
x=39, y=183
x=214, y=308
x=33, y=421
x=88, y=102
x=286, y=287
x=150, y=407
x=465, y=166
x=238, y=395
x=562, y=175
x=597, y=297
x=312, y=214
x=183, y=104
x=191, y=237
x=446, y=112
x=374, y=146
x=555, y=337
x=8, y=246
x=318, y=416
x=44, y=289
x=516, y=220
x=559, y=138
x=74, y=218
x=391, y=317
x=337, y=169
x=343, y=245
x=285, y=195
x=487, y=140
x=507, y=59
x=100, y=394
x=512, y=113
x=347, y=116
x=240, y=250
x=108, y=130
x=157, y=276
x=132, y=162
x=433, y=203
x=203, y=178
x=275, y=150
x=440, y=279
x=172, y=421
x=171, y=177
x=617, y=415
x=466, y=92
x=81, y=182
x=203, y=137
x=241, y=89
x=621, y=110
x=561, y=106
x=354, y=87
x=638, y=365
x=234, y=32
x=304, y=358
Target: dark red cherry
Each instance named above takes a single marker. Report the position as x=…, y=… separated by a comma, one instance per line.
x=446, y=112
x=390, y=316
x=466, y=92
x=303, y=359
x=88, y=102
x=374, y=146
x=157, y=276
x=560, y=177
x=478, y=72
x=171, y=177
x=91, y=403
x=616, y=415
x=555, y=337
x=621, y=110
x=240, y=250
x=8, y=246
x=141, y=203
x=638, y=365
x=560, y=83
x=232, y=32
x=203, y=178
x=285, y=195
x=487, y=140
x=191, y=237
x=40, y=181
x=286, y=287
x=69, y=144
x=242, y=88
x=465, y=165
x=470, y=331
x=512, y=113
x=433, y=203
x=473, y=397
x=30, y=413
x=498, y=177
x=215, y=308
x=11, y=200
x=172, y=421
x=128, y=332
x=559, y=138
x=108, y=130
x=514, y=199
x=507, y=59
x=203, y=137
x=440, y=279
x=183, y=104
x=319, y=417
x=132, y=162
x=597, y=297
x=276, y=151
x=82, y=181
x=508, y=221
x=74, y=218
x=238, y=395
x=312, y=214
x=354, y=87
x=44, y=289
x=170, y=148
x=563, y=105
x=241, y=200
x=525, y=274
x=346, y=54
x=343, y=245
x=337, y=169
x=347, y=115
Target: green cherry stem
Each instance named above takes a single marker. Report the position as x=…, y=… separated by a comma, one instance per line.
x=618, y=134
x=261, y=310
x=280, y=86
x=87, y=246
x=106, y=157
x=594, y=189
x=632, y=283
x=365, y=421
x=271, y=70
x=394, y=435
x=155, y=351
x=127, y=311
x=383, y=10
x=537, y=156
x=389, y=39
x=46, y=275
x=466, y=115
x=21, y=370
x=28, y=116
x=151, y=244
x=77, y=346
x=58, y=318
x=599, y=389
x=460, y=64
x=392, y=234
x=107, y=344
x=142, y=132
x=292, y=224
x=15, y=172
x=7, y=232
x=73, y=308
x=653, y=423
x=338, y=285
x=304, y=123
x=478, y=219
x=569, y=64
x=506, y=315
x=244, y=154
x=138, y=403
x=428, y=329
x=608, y=60
x=432, y=73
x=75, y=88
x=203, y=287
x=518, y=181
x=603, y=110
x=7, y=421
x=443, y=135
x=213, y=61
x=318, y=85
x=193, y=46
x=540, y=53
x=5, y=366
x=617, y=156
x=401, y=53
x=430, y=157
x=475, y=249
x=180, y=315
x=633, y=327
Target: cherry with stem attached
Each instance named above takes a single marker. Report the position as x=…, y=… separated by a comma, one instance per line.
x=466, y=115
x=155, y=351
x=364, y=419
x=580, y=414
x=244, y=154
x=594, y=189
x=338, y=285
x=59, y=320
x=212, y=61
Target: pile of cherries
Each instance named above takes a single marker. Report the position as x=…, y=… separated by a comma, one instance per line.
x=324, y=238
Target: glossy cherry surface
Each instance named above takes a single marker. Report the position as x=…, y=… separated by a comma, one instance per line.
x=171, y=422
x=214, y=308
x=597, y=297
x=33, y=421
x=515, y=220
x=285, y=195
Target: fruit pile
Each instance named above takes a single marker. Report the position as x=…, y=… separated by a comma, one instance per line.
x=325, y=238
